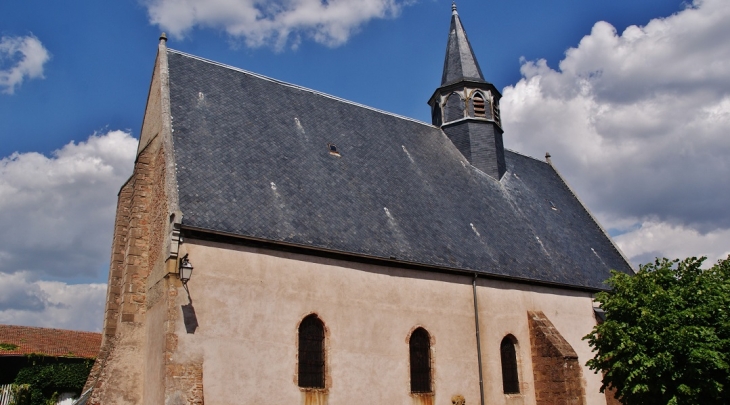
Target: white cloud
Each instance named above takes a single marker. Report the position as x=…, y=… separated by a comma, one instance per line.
x=658, y=239
x=20, y=58
x=53, y=304
x=638, y=123
x=17, y=293
x=57, y=212
x=267, y=22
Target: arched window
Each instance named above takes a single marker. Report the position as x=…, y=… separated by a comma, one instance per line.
x=479, y=107
x=420, y=348
x=454, y=108
x=510, y=380
x=311, y=352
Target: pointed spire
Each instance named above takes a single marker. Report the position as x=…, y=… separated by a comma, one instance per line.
x=460, y=63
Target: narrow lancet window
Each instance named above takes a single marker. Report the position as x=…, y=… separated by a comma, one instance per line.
x=510, y=380
x=311, y=352
x=454, y=108
x=420, y=348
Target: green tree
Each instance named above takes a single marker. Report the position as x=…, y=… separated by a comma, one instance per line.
x=45, y=380
x=666, y=338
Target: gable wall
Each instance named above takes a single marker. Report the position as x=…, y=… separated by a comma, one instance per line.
x=152, y=124
x=120, y=362
x=131, y=359
x=248, y=303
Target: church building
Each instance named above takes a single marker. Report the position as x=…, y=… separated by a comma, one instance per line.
x=344, y=255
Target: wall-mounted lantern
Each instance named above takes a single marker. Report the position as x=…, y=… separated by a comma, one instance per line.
x=186, y=269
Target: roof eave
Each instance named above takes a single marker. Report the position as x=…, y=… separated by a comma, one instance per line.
x=485, y=85
x=384, y=261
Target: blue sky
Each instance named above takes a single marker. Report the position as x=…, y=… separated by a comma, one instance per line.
x=635, y=119
x=102, y=54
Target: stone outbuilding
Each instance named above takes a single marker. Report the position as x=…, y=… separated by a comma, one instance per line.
x=342, y=254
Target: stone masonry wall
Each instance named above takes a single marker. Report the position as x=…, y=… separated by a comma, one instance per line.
x=121, y=366
x=183, y=378
x=137, y=250
x=134, y=354
x=557, y=372
x=158, y=215
x=114, y=284
x=121, y=229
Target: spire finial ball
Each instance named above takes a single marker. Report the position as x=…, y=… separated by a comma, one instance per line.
x=163, y=37
x=453, y=7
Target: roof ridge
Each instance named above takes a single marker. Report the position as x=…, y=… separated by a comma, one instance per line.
x=45, y=328
x=302, y=88
x=527, y=156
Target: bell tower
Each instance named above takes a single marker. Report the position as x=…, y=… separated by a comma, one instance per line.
x=466, y=107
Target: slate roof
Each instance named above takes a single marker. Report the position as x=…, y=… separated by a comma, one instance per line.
x=253, y=160
x=460, y=62
x=49, y=342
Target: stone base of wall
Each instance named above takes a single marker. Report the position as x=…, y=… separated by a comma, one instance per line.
x=557, y=372
x=185, y=384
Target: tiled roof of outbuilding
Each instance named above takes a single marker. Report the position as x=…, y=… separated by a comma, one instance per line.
x=253, y=160
x=48, y=342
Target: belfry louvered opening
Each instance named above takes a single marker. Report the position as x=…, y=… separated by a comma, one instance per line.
x=510, y=379
x=311, y=352
x=420, y=348
x=479, y=106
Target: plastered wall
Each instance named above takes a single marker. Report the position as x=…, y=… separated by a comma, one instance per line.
x=248, y=303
